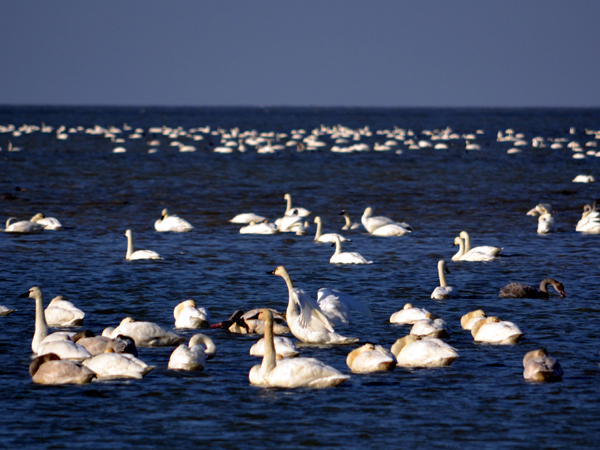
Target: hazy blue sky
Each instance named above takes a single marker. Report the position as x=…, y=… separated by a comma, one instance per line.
x=301, y=53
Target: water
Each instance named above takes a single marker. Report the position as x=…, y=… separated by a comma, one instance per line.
x=480, y=401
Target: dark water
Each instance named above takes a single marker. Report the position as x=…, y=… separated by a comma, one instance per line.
x=480, y=401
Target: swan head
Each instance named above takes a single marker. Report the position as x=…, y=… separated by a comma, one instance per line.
x=357, y=351
x=128, y=233
x=164, y=214
x=287, y=197
x=37, y=217
x=534, y=354
x=468, y=316
x=127, y=320
x=408, y=306
x=33, y=292
x=317, y=219
x=37, y=362
x=457, y=241
x=279, y=271
x=265, y=315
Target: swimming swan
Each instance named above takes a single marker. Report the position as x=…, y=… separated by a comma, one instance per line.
x=340, y=257
x=50, y=369
x=370, y=358
x=247, y=323
x=290, y=372
x=487, y=249
x=590, y=219
x=63, y=313
x=538, y=366
x=113, y=366
x=408, y=315
x=171, y=222
x=546, y=222
x=304, y=317
x=4, y=311
x=473, y=255
x=138, y=254
x=188, y=315
x=391, y=229
x=328, y=237
x=146, y=334
x=443, y=290
x=493, y=331
x=520, y=290
x=23, y=226
x=300, y=212
x=412, y=351
x=194, y=355
x=49, y=223
x=372, y=223
x=349, y=225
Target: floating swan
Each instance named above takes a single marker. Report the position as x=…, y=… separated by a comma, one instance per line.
x=493, y=331
x=247, y=323
x=487, y=249
x=408, y=315
x=300, y=212
x=520, y=290
x=304, y=317
x=430, y=327
x=473, y=255
x=590, y=219
x=370, y=358
x=49, y=223
x=288, y=223
x=247, y=218
x=50, y=369
x=194, y=355
x=538, y=366
x=284, y=348
x=138, y=254
x=412, y=351
x=146, y=334
x=111, y=365
x=328, y=237
x=372, y=223
x=171, y=222
x=340, y=257
x=443, y=290
x=188, y=315
x=259, y=228
x=468, y=320
x=63, y=313
x=23, y=226
x=290, y=372
x=336, y=306
x=546, y=222
x=349, y=225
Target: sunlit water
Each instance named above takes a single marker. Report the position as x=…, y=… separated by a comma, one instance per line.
x=480, y=401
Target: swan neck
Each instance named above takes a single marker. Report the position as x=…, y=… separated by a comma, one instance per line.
x=41, y=327
x=461, y=249
x=338, y=247
x=347, y=219
x=288, y=199
x=129, y=246
x=210, y=350
x=442, y=275
x=269, y=358
x=318, y=235
x=467, y=241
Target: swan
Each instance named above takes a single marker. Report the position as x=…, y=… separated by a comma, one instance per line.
x=392, y=229
x=372, y=223
x=546, y=222
x=493, y=331
x=430, y=327
x=443, y=290
x=112, y=366
x=336, y=306
x=23, y=226
x=284, y=348
x=146, y=334
x=412, y=351
x=309, y=324
x=328, y=237
x=50, y=369
x=349, y=225
x=340, y=257
x=172, y=222
x=4, y=311
x=590, y=219
x=63, y=313
x=138, y=254
x=194, y=355
x=487, y=249
x=246, y=323
x=101, y=344
x=408, y=315
x=468, y=320
x=473, y=255
x=288, y=223
x=538, y=366
x=259, y=228
x=49, y=223
x=290, y=372
x=247, y=218
x=300, y=212
x=370, y=358
x=188, y=315
x=521, y=290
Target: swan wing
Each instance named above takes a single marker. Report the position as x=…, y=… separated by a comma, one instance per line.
x=309, y=309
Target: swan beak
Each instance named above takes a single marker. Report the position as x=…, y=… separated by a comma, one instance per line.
x=272, y=272
x=224, y=324
x=25, y=295
x=562, y=294
x=343, y=212
x=447, y=270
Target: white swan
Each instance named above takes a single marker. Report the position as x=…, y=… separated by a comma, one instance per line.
x=50, y=369
x=49, y=223
x=349, y=225
x=370, y=358
x=372, y=223
x=493, y=331
x=443, y=290
x=473, y=255
x=412, y=351
x=188, y=315
x=328, y=237
x=146, y=334
x=340, y=257
x=138, y=254
x=259, y=228
x=590, y=220
x=337, y=306
x=469, y=319
x=487, y=249
x=430, y=327
x=546, y=222
x=112, y=366
x=538, y=366
x=408, y=315
x=63, y=313
x=23, y=226
x=247, y=218
x=300, y=212
x=304, y=317
x=284, y=348
x=290, y=372
x=172, y=222
x=194, y=355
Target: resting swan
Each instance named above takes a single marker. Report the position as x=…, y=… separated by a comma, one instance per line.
x=300, y=212
x=113, y=366
x=590, y=219
x=370, y=358
x=538, y=366
x=49, y=223
x=493, y=331
x=103, y=344
x=50, y=369
x=172, y=222
x=247, y=218
x=520, y=290
x=340, y=257
x=23, y=226
x=546, y=222
x=473, y=255
x=408, y=315
x=373, y=223
x=443, y=290
x=487, y=249
x=194, y=355
x=290, y=372
x=146, y=334
x=412, y=351
x=468, y=320
x=63, y=313
x=304, y=317
x=430, y=327
x=187, y=315
x=328, y=237
x=139, y=254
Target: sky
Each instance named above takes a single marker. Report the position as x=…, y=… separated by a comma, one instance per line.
x=371, y=53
